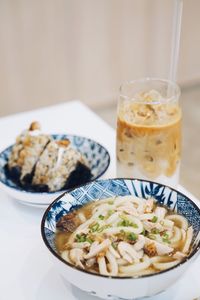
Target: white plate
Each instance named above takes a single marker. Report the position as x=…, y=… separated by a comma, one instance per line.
x=30, y=198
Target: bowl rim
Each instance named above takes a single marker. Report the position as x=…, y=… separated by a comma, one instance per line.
x=184, y=260
x=19, y=189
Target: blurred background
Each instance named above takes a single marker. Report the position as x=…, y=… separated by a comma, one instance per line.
x=55, y=51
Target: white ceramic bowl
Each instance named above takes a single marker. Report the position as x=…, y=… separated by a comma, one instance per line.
x=97, y=156
x=116, y=287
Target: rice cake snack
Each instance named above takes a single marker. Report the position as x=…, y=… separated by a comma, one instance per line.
x=42, y=164
x=61, y=166
x=25, y=153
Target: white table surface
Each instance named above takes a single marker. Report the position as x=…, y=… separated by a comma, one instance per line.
x=26, y=271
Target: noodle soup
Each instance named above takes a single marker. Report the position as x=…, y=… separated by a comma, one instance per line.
x=123, y=236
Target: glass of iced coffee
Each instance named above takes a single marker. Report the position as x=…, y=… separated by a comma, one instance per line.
x=149, y=131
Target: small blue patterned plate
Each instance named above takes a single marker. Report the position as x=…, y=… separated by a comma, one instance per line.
x=101, y=189
x=96, y=155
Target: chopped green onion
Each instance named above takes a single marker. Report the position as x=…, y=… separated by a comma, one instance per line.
x=126, y=223
x=89, y=240
x=144, y=232
x=123, y=217
x=155, y=231
x=121, y=223
x=81, y=238
x=152, y=236
x=94, y=227
x=101, y=217
x=114, y=246
x=154, y=219
x=131, y=236
x=110, y=212
x=165, y=238
x=134, y=225
x=166, y=235
x=102, y=228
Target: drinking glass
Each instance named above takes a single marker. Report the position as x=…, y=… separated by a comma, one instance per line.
x=148, y=143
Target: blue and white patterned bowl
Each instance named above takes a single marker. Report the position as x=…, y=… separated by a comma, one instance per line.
x=120, y=288
x=97, y=156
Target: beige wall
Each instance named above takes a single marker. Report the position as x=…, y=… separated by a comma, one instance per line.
x=189, y=66
x=53, y=51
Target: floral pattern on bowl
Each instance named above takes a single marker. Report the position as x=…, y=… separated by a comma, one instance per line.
x=101, y=189
x=97, y=157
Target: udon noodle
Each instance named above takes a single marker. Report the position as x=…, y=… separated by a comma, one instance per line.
x=123, y=236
